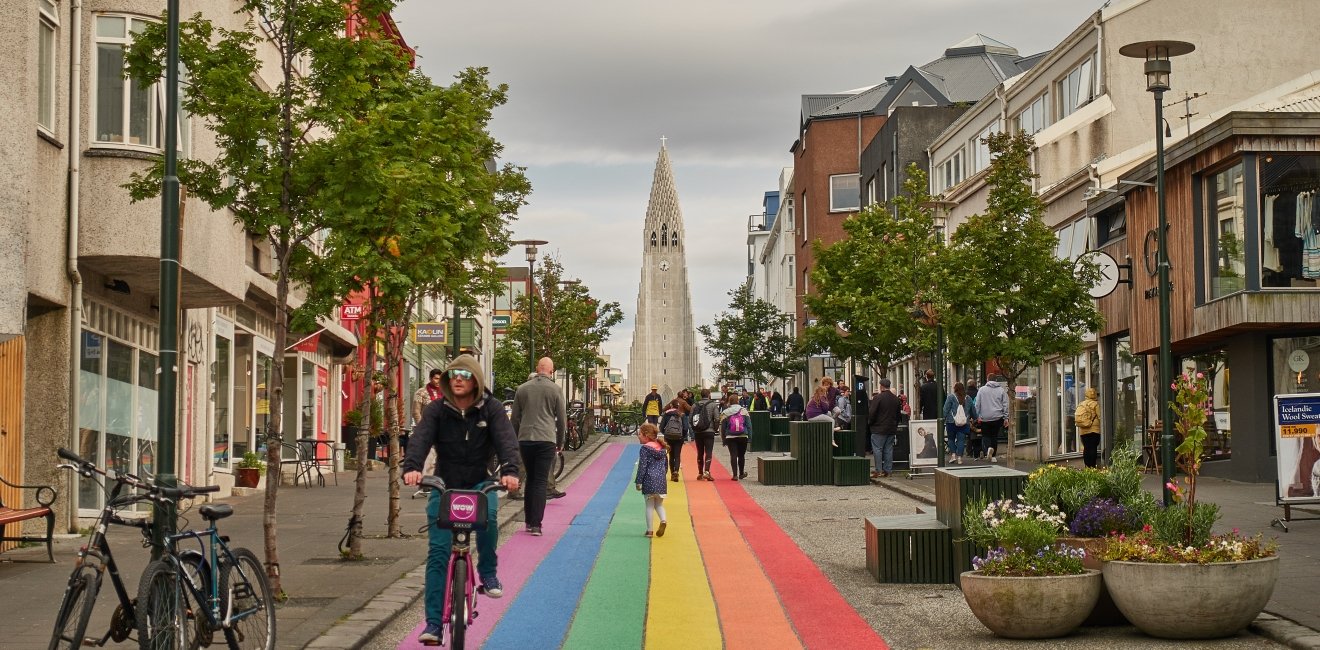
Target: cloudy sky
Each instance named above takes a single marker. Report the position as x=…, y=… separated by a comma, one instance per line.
x=593, y=85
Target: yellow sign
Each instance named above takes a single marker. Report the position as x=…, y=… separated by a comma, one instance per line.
x=1296, y=430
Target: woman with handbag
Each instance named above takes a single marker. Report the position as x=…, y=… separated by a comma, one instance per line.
x=959, y=414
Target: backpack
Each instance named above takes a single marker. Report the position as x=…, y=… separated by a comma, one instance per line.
x=736, y=424
x=960, y=417
x=704, y=417
x=674, y=426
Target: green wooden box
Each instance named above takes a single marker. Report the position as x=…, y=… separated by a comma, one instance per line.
x=779, y=443
x=760, y=433
x=909, y=549
x=851, y=470
x=955, y=487
x=812, y=443
x=778, y=425
x=845, y=441
x=778, y=470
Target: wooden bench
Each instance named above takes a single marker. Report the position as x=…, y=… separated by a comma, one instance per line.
x=45, y=495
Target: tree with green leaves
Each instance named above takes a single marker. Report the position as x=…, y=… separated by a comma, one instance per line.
x=1009, y=298
x=867, y=284
x=510, y=365
x=297, y=151
x=751, y=341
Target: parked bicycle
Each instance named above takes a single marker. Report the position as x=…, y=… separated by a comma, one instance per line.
x=463, y=512
x=95, y=561
x=223, y=590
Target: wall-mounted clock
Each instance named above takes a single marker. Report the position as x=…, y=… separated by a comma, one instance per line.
x=664, y=265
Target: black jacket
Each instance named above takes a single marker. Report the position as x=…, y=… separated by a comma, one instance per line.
x=885, y=411
x=930, y=400
x=463, y=442
x=795, y=403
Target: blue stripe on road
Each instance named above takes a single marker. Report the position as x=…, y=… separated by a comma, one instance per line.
x=543, y=610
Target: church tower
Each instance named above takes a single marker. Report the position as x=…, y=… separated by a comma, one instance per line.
x=664, y=344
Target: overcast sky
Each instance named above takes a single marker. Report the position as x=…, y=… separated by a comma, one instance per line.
x=593, y=85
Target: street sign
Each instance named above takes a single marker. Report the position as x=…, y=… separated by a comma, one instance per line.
x=351, y=312
x=431, y=333
x=499, y=322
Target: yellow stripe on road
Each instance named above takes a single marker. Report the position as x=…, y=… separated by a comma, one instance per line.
x=681, y=612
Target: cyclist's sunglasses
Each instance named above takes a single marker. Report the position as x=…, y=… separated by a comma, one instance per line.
x=461, y=374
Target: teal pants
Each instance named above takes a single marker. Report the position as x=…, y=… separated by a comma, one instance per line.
x=437, y=555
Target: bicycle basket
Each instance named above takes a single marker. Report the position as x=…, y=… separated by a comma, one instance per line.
x=462, y=510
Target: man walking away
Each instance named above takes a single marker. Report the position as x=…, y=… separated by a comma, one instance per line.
x=539, y=419
x=795, y=405
x=652, y=405
x=992, y=409
x=705, y=424
x=929, y=392
x=886, y=409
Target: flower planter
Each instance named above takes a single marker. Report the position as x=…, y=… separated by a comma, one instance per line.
x=247, y=477
x=1105, y=612
x=1192, y=601
x=1031, y=607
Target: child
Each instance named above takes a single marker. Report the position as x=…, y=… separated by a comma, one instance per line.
x=651, y=465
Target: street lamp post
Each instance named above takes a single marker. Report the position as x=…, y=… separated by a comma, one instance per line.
x=529, y=247
x=939, y=208
x=1157, y=54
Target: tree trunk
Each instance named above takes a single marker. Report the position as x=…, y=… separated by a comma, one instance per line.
x=369, y=404
x=393, y=365
x=275, y=425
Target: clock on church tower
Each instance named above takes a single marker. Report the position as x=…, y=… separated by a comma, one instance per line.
x=664, y=265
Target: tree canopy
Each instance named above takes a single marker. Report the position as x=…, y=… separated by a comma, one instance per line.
x=751, y=340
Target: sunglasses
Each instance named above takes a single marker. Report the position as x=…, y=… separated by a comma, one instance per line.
x=461, y=374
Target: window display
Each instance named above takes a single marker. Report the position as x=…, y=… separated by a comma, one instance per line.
x=1290, y=220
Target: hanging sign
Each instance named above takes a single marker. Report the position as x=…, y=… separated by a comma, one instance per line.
x=1297, y=439
x=431, y=333
x=351, y=312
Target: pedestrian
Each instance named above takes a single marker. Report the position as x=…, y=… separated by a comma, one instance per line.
x=672, y=427
x=539, y=419
x=959, y=412
x=705, y=423
x=652, y=405
x=929, y=394
x=428, y=393
x=688, y=434
x=843, y=408
x=745, y=400
x=973, y=427
x=886, y=409
x=465, y=427
x=760, y=401
x=795, y=405
x=734, y=425
x=821, y=405
x=1088, y=425
x=776, y=403
x=992, y=410
x=651, y=476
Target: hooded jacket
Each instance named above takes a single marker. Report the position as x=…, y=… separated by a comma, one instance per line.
x=463, y=440
x=992, y=401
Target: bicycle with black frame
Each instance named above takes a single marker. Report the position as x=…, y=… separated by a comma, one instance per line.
x=95, y=560
x=463, y=512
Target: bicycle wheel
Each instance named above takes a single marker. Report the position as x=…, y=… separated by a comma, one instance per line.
x=197, y=575
x=76, y=608
x=458, y=605
x=252, y=618
x=574, y=438
x=559, y=464
x=162, y=623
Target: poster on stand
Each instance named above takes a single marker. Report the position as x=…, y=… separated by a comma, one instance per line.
x=923, y=446
x=1297, y=438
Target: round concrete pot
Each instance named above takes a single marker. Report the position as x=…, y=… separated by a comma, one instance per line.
x=1192, y=601
x=1031, y=607
x=1105, y=612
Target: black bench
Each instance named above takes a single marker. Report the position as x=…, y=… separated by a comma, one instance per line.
x=45, y=495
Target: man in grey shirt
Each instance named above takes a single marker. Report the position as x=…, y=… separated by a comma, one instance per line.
x=539, y=419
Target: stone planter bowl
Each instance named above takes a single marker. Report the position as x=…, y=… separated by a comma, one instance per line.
x=1031, y=607
x=1105, y=612
x=1192, y=601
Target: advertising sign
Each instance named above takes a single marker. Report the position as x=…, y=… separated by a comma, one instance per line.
x=1297, y=438
x=351, y=312
x=499, y=322
x=923, y=446
x=431, y=333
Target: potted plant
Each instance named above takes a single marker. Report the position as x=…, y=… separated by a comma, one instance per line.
x=247, y=474
x=1175, y=579
x=1027, y=586
x=352, y=423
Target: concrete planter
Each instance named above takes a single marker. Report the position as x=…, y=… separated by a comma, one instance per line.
x=1031, y=607
x=1105, y=612
x=1192, y=601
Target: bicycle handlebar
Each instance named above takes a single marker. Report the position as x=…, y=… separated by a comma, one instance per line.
x=437, y=483
x=154, y=492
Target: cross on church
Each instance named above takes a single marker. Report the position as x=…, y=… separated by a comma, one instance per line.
x=662, y=141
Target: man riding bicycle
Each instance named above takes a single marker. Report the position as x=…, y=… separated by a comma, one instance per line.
x=465, y=426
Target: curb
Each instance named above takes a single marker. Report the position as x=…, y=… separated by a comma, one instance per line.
x=355, y=630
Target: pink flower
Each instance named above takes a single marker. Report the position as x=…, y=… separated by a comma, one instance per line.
x=1200, y=375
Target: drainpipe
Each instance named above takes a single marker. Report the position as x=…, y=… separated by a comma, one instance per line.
x=75, y=278
x=1099, y=55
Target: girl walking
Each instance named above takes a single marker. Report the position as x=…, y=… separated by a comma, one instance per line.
x=959, y=414
x=734, y=424
x=651, y=475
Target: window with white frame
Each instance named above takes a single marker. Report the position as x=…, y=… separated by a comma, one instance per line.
x=1077, y=89
x=804, y=217
x=1036, y=116
x=979, y=151
x=788, y=263
x=126, y=113
x=789, y=214
x=870, y=191
x=47, y=30
x=845, y=192
x=949, y=173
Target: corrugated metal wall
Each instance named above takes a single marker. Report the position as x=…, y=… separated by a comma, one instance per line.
x=11, y=423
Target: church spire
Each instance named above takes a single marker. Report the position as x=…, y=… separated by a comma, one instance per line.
x=663, y=228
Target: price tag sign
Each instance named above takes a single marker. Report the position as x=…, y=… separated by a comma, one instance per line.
x=1297, y=430
x=1296, y=425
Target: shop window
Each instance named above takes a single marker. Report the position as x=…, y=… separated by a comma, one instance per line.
x=1296, y=365
x=1125, y=394
x=1214, y=365
x=221, y=399
x=1290, y=221
x=116, y=411
x=91, y=390
x=1025, y=395
x=1225, y=231
x=1069, y=378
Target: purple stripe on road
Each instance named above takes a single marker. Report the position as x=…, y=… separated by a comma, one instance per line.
x=522, y=553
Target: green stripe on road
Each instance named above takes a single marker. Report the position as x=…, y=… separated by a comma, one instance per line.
x=612, y=611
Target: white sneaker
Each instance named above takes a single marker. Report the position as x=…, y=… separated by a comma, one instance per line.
x=957, y=460
x=993, y=459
